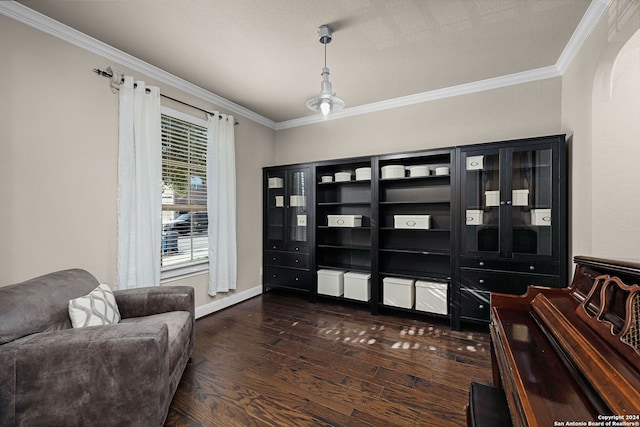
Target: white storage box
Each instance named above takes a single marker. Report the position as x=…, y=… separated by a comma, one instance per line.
x=357, y=286
x=363, y=174
x=421, y=170
x=275, y=183
x=326, y=178
x=331, y=282
x=422, y=222
x=343, y=176
x=432, y=297
x=541, y=217
x=520, y=197
x=492, y=198
x=475, y=163
x=297, y=201
x=344, y=220
x=279, y=201
x=474, y=217
x=301, y=220
x=398, y=292
x=393, y=171
x=442, y=170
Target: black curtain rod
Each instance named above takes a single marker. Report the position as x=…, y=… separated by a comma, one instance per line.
x=108, y=74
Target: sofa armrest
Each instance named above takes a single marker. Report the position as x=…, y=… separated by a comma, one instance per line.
x=109, y=375
x=155, y=300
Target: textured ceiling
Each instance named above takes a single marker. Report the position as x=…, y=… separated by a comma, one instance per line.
x=264, y=54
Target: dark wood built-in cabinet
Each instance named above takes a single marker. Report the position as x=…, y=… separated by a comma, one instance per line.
x=497, y=222
x=512, y=220
x=288, y=219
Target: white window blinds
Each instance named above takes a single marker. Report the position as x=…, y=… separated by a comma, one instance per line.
x=184, y=193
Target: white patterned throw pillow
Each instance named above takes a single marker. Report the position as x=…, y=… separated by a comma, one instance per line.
x=97, y=308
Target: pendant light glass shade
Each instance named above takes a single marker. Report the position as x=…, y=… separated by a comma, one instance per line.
x=326, y=102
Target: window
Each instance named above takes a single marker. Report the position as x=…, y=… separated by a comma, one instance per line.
x=184, y=193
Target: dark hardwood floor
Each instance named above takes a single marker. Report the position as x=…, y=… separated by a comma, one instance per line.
x=278, y=360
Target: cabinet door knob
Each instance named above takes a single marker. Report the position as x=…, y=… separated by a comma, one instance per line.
x=508, y=202
x=297, y=248
x=275, y=258
x=297, y=279
x=297, y=260
x=532, y=267
x=481, y=264
x=481, y=281
x=275, y=275
x=481, y=306
x=274, y=247
x=502, y=203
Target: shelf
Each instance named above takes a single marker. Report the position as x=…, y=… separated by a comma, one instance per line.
x=415, y=178
x=418, y=275
x=413, y=251
x=360, y=181
x=421, y=202
x=344, y=228
x=413, y=230
x=348, y=267
x=350, y=247
x=343, y=204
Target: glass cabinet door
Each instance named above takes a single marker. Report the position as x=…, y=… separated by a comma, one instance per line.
x=481, y=202
x=297, y=205
x=531, y=200
x=275, y=206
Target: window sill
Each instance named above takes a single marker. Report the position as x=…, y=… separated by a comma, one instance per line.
x=171, y=274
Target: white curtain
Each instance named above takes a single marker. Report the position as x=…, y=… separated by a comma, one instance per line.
x=221, y=203
x=139, y=186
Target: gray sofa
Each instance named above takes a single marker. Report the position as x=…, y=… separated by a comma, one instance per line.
x=118, y=375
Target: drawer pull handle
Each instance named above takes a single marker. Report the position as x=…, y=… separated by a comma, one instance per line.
x=481, y=306
x=275, y=258
x=297, y=260
x=481, y=264
x=297, y=248
x=297, y=279
x=275, y=275
x=532, y=267
x=274, y=247
x=481, y=281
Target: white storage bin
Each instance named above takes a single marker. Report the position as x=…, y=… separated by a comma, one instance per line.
x=297, y=201
x=279, y=201
x=415, y=171
x=475, y=163
x=398, y=292
x=432, y=297
x=541, y=217
x=275, y=183
x=421, y=222
x=357, y=286
x=492, y=198
x=520, y=197
x=393, y=171
x=326, y=178
x=442, y=170
x=343, y=176
x=331, y=282
x=474, y=217
x=363, y=174
x=344, y=220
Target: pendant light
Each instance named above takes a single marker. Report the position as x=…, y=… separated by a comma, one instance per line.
x=326, y=102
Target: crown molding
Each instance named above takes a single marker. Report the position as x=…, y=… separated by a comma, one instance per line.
x=57, y=29
x=591, y=17
x=418, y=98
x=41, y=22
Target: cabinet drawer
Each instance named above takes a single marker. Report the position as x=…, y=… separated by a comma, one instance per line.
x=535, y=267
x=475, y=304
x=279, y=245
x=286, y=259
x=287, y=278
x=300, y=247
x=503, y=282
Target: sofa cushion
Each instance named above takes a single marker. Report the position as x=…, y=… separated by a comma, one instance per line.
x=96, y=308
x=179, y=326
x=41, y=304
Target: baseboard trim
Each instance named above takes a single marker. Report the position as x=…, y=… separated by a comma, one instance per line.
x=223, y=303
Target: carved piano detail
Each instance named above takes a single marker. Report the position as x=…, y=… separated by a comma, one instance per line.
x=572, y=354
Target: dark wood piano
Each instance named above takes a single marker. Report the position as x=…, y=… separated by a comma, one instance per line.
x=571, y=356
